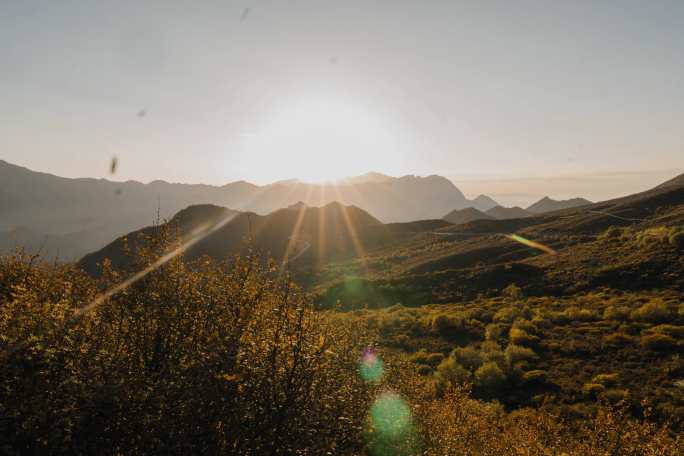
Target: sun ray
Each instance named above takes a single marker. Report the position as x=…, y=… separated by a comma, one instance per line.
x=321, y=227
x=351, y=230
x=294, y=238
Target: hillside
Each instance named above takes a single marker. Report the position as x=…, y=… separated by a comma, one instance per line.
x=547, y=204
x=621, y=243
x=601, y=319
x=311, y=236
x=466, y=215
x=504, y=213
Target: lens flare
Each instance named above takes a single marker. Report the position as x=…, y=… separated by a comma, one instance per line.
x=391, y=430
x=533, y=244
x=371, y=367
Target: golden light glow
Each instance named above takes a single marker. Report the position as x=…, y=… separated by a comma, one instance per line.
x=320, y=139
x=533, y=244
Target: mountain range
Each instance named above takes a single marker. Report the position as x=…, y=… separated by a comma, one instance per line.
x=70, y=217
x=67, y=218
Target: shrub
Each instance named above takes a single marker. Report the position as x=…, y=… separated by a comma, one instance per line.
x=420, y=357
x=489, y=378
x=618, y=339
x=658, y=342
x=535, y=377
x=513, y=291
x=223, y=357
x=494, y=332
x=468, y=357
x=525, y=325
x=444, y=324
x=613, y=232
x=506, y=315
x=520, y=337
x=577, y=314
x=607, y=380
x=616, y=313
x=593, y=389
x=516, y=354
x=674, y=331
x=434, y=359
x=652, y=312
x=450, y=373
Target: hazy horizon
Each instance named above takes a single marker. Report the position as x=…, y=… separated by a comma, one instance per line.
x=506, y=190
x=504, y=99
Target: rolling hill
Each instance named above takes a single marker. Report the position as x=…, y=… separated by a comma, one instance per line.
x=547, y=204
x=504, y=213
x=626, y=243
x=311, y=236
x=466, y=215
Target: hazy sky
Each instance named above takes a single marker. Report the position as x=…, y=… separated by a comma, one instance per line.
x=215, y=91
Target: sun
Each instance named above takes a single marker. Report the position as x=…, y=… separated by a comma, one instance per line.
x=319, y=139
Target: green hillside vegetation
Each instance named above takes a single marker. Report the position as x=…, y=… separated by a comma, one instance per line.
x=202, y=357
x=409, y=338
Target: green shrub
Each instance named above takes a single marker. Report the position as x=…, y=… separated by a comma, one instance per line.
x=434, y=359
x=420, y=357
x=593, y=389
x=525, y=325
x=515, y=354
x=535, y=376
x=613, y=232
x=513, y=291
x=618, y=339
x=489, y=378
x=494, y=332
x=616, y=313
x=468, y=357
x=449, y=372
x=674, y=331
x=577, y=314
x=521, y=337
x=506, y=315
x=658, y=342
x=606, y=380
x=652, y=312
x=444, y=324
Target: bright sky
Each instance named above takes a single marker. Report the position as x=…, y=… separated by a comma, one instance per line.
x=215, y=91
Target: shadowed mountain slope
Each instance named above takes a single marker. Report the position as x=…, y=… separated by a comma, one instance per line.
x=547, y=204
x=311, y=236
x=503, y=213
x=466, y=215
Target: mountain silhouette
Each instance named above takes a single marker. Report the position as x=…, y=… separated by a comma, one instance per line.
x=95, y=211
x=466, y=215
x=309, y=235
x=547, y=204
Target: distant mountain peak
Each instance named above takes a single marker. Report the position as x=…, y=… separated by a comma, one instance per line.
x=483, y=203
